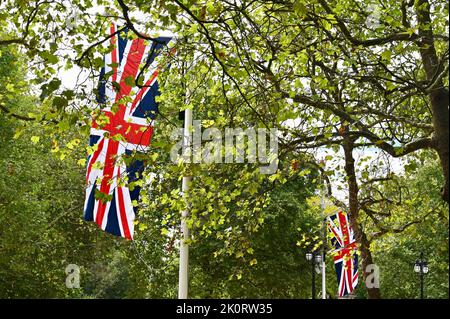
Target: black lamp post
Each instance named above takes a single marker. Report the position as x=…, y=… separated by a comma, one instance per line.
x=314, y=259
x=421, y=267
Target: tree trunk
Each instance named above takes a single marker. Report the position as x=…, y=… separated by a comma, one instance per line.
x=360, y=236
x=438, y=94
x=439, y=105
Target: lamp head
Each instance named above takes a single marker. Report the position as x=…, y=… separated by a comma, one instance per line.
x=417, y=266
x=318, y=258
x=425, y=268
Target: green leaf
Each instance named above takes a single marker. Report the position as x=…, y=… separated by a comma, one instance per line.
x=49, y=57
x=116, y=86
x=129, y=81
x=300, y=8
x=386, y=55
x=53, y=85
x=59, y=102
x=326, y=25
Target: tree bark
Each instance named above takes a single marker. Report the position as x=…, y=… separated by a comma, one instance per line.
x=437, y=92
x=360, y=236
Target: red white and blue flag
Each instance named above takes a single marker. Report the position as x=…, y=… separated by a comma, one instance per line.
x=345, y=254
x=124, y=126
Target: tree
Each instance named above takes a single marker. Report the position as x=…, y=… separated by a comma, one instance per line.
x=414, y=220
x=41, y=199
x=350, y=83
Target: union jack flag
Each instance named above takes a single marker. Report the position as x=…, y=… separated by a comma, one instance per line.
x=124, y=126
x=345, y=253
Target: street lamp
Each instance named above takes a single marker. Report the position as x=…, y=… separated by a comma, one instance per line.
x=318, y=258
x=421, y=267
x=314, y=259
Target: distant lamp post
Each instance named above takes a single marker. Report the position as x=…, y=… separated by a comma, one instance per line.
x=421, y=267
x=318, y=258
x=314, y=259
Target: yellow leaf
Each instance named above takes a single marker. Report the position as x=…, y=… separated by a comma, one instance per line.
x=17, y=134
x=81, y=162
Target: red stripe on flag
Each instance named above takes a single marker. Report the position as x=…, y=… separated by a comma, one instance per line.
x=349, y=270
x=108, y=171
x=342, y=283
x=132, y=132
x=130, y=69
x=344, y=229
x=123, y=215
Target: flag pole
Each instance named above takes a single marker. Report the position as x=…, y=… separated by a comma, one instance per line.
x=322, y=202
x=183, y=276
x=183, y=279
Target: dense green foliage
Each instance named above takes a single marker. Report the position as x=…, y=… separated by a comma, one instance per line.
x=395, y=254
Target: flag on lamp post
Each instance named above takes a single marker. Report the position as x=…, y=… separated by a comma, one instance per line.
x=345, y=254
x=124, y=126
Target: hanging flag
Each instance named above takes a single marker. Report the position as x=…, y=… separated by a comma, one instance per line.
x=345, y=253
x=124, y=126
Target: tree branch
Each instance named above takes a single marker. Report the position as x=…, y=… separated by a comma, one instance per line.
x=86, y=52
x=370, y=42
x=18, y=116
